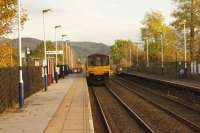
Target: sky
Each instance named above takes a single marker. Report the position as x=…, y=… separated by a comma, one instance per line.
x=91, y=20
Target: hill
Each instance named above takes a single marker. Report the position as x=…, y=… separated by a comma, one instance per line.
x=82, y=49
x=31, y=43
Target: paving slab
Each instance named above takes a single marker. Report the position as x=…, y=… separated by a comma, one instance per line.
x=74, y=114
x=39, y=109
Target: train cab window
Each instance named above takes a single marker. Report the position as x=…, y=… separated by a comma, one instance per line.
x=91, y=62
x=105, y=61
x=98, y=61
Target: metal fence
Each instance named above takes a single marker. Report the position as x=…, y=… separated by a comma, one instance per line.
x=171, y=69
x=9, y=80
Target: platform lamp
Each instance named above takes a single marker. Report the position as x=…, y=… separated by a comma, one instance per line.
x=147, y=51
x=63, y=57
x=21, y=83
x=45, y=48
x=56, y=71
x=137, y=53
x=162, y=51
x=185, y=48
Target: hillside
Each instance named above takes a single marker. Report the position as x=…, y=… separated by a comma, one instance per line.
x=82, y=48
x=32, y=43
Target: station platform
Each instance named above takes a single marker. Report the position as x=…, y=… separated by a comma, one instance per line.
x=65, y=107
x=74, y=114
x=183, y=82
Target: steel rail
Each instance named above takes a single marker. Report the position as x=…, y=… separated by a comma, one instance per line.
x=142, y=123
x=177, y=116
x=102, y=112
x=161, y=95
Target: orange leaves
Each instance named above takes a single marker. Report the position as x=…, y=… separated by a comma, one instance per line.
x=7, y=55
x=8, y=12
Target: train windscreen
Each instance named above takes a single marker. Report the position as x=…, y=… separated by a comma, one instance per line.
x=98, y=61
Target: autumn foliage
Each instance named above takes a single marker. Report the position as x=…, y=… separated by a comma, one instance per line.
x=8, y=13
x=8, y=55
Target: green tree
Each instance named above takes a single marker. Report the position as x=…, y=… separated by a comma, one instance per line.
x=188, y=11
x=120, y=52
x=117, y=51
x=8, y=13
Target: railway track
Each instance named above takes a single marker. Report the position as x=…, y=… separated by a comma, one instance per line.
x=119, y=118
x=164, y=96
x=99, y=121
x=186, y=114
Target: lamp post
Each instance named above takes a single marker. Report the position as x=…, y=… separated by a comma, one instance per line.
x=66, y=54
x=21, y=83
x=162, y=51
x=185, y=48
x=45, y=55
x=69, y=54
x=147, y=52
x=137, y=53
x=130, y=56
x=63, y=61
x=56, y=71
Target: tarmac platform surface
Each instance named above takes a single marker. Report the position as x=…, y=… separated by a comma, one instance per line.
x=65, y=107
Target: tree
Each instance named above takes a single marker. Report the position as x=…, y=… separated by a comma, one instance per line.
x=188, y=11
x=8, y=13
x=116, y=51
x=153, y=28
x=120, y=52
x=8, y=55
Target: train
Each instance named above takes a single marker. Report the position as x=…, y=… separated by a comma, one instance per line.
x=97, y=68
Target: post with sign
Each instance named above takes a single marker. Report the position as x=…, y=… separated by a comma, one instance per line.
x=28, y=56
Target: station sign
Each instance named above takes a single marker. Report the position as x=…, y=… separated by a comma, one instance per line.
x=28, y=51
x=54, y=52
